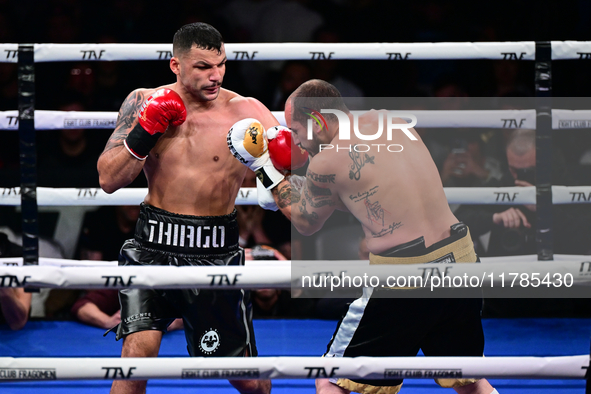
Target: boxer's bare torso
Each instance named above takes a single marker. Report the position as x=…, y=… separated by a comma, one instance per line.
x=190, y=170
x=397, y=196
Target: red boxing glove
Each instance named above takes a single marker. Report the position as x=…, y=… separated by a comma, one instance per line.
x=285, y=155
x=162, y=108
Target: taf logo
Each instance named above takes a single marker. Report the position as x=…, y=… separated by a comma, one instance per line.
x=397, y=55
x=244, y=55
x=92, y=54
x=321, y=55
x=513, y=55
x=320, y=372
x=118, y=372
x=210, y=341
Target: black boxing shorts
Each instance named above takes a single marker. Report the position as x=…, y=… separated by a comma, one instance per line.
x=217, y=323
x=400, y=327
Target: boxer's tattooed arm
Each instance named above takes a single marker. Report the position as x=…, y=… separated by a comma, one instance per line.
x=126, y=119
x=311, y=217
x=317, y=196
x=359, y=161
x=289, y=192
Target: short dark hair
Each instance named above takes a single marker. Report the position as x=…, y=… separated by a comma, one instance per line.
x=316, y=94
x=201, y=34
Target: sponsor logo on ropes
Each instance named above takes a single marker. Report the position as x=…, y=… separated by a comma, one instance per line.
x=222, y=373
x=243, y=194
x=118, y=372
x=580, y=196
x=27, y=374
x=582, y=55
x=12, y=120
x=398, y=55
x=117, y=281
x=505, y=196
x=13, y=281
x=183, y=235
x=423, y=373
x=11, y=53
x=321, y=55
x=10, y=263
x=223, y=279
x=164, y=55
x=574, y=124
x=585, y=269
x=91, y=54
x=87, y=193
x=244, y=55
x=513, y=55
x=210, y=341
x=88, y=123
x=513, y=123
x=320, y=372
x=11, y=192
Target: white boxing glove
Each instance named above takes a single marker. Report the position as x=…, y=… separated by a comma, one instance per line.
x=248, y=143
x=265, y=197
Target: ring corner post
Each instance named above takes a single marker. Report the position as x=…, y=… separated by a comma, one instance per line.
x=28, y=154
x=543, y=88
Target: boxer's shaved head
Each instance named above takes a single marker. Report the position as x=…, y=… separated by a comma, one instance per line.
x=202, y=35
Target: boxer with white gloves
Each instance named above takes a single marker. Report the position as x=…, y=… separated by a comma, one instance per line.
x=269, y=153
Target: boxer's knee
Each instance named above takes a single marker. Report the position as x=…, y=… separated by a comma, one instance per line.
x=142, y=344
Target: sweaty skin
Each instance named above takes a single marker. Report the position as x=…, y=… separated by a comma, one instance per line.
x=190, y=170
x=397, y=196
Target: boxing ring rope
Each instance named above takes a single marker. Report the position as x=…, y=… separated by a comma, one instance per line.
x=560, y=50
x=569, y=367
x=493, y=119
x=542, y=118
x=500, y=273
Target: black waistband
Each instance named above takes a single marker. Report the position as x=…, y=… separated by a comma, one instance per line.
x=416, y=247
x=198, y=235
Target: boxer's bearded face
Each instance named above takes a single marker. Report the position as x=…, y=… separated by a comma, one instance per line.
x=201, y=72
x=299, y=137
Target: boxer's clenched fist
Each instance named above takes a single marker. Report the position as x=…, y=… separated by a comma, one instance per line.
x=247, y=142
x=161, y=109
x=285, y=155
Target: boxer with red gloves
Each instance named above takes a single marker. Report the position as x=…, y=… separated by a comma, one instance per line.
x=176, y=134
x=162, y=108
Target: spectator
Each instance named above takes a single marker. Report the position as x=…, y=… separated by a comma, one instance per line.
x=512, y=230
x=467, y=165
x=15, y=303
x=69, y=158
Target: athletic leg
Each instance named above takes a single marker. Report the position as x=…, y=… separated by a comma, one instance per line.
x=137, y=344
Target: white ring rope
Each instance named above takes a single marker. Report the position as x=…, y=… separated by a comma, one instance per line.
x=561, y=50
x=54, y=262
x=499, y=273
x=47, y=196
x=566, y=367
x=285, y=51
x=494, y=119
